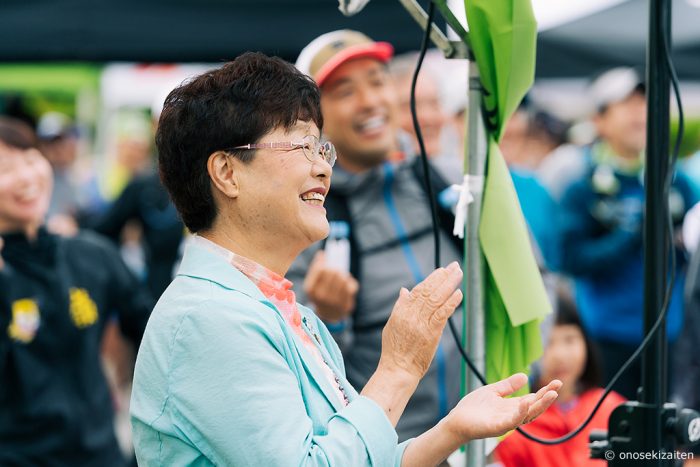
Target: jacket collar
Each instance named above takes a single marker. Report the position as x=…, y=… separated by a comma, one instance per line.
x=200, y=262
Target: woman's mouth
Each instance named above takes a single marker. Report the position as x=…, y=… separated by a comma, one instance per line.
x=313, y=198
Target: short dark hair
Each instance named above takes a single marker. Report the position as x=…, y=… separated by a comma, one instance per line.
x=234, y=105
x=16, y=133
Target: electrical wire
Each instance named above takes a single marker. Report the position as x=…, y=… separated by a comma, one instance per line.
x=668, y=244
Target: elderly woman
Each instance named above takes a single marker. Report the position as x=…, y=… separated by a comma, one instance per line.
x=232, y=371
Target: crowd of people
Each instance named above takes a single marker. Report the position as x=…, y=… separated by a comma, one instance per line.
x=272, y=344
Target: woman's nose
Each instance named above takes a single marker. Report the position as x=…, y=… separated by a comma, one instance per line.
x=320, y=168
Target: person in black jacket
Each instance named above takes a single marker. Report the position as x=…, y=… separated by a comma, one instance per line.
x=56, y=295
x=145, y=200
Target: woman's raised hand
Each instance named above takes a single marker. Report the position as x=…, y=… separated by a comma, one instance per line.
x=411, y=335
x=486, y=412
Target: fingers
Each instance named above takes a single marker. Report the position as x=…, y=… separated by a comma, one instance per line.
x=438, y=287
x=541, y=401
x=553, y=385
x=542, y=404
x=446, y=310
x=353, y=286
x=508, y=386
x=328, y=283
x=331, y=284
x=331, y=291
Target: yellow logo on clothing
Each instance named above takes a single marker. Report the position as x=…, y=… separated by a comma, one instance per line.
x=25, y=320
x=83, y=310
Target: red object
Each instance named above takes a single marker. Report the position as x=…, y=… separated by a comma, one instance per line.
x=382, y=51
x=517, y=451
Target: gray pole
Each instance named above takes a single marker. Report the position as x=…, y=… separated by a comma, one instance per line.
x=475, y=162
x=475, y=157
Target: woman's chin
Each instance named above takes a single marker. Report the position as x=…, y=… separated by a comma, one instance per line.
x=317, y=231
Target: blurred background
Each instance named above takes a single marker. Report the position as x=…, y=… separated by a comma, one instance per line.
x=91, y=77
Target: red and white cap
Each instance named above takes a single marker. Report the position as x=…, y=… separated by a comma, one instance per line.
x=327, y=52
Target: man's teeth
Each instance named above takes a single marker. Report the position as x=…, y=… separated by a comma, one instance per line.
x=313, y=196
x=372, y=123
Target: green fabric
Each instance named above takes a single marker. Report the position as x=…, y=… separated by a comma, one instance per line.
x=503, y=34
x=55, y=77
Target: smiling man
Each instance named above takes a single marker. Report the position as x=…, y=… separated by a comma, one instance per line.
x=383, y=209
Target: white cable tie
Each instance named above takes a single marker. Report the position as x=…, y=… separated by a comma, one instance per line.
x=351, y=7
x=471, y=185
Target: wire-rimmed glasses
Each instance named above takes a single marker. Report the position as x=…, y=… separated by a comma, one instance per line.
x=314, y=150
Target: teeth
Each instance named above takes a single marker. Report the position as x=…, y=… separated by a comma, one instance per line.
x=372, y=123
x=313, y=196
x=28, y=195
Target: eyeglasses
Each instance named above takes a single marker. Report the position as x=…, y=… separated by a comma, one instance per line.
x=314, y=150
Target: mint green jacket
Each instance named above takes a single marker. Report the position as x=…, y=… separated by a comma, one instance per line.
x=221, y=379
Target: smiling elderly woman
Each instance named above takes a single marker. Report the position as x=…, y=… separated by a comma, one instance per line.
x=232, y=371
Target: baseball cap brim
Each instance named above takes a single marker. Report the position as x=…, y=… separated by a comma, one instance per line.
x=382, y=51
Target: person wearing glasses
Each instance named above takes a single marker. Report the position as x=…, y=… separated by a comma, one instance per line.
x=232, y=370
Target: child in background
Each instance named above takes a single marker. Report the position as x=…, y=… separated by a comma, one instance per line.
x=570, y=358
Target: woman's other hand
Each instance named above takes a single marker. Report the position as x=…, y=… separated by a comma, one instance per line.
x=483, y=413
x=411, y=335
x=487, y=412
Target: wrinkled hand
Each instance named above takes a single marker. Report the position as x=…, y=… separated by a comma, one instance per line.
x=486, y=412
x=331, y=291
x=411, y=336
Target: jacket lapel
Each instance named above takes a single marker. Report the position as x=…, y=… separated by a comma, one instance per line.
x=201, y=263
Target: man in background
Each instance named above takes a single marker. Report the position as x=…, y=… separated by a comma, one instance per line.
x=382, y=209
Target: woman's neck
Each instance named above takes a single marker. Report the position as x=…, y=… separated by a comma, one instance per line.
x=272, y=256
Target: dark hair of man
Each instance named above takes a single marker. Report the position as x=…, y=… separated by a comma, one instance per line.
x=568, y=316
x=17, y=134
x=232, y=106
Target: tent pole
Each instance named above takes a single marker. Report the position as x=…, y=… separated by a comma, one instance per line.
x=475, y=157
x=475, y=162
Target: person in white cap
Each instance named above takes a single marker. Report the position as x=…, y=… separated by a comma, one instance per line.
x=379, y=201
x=600, y=225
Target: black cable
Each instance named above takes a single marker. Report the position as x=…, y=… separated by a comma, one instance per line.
x=428, y=184
x=419, y=134
x=669, y=243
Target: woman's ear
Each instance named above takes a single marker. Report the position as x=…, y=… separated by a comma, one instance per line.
x=223, y=173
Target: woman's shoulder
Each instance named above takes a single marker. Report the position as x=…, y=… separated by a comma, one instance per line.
x=206, y=303
x=195, y=325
